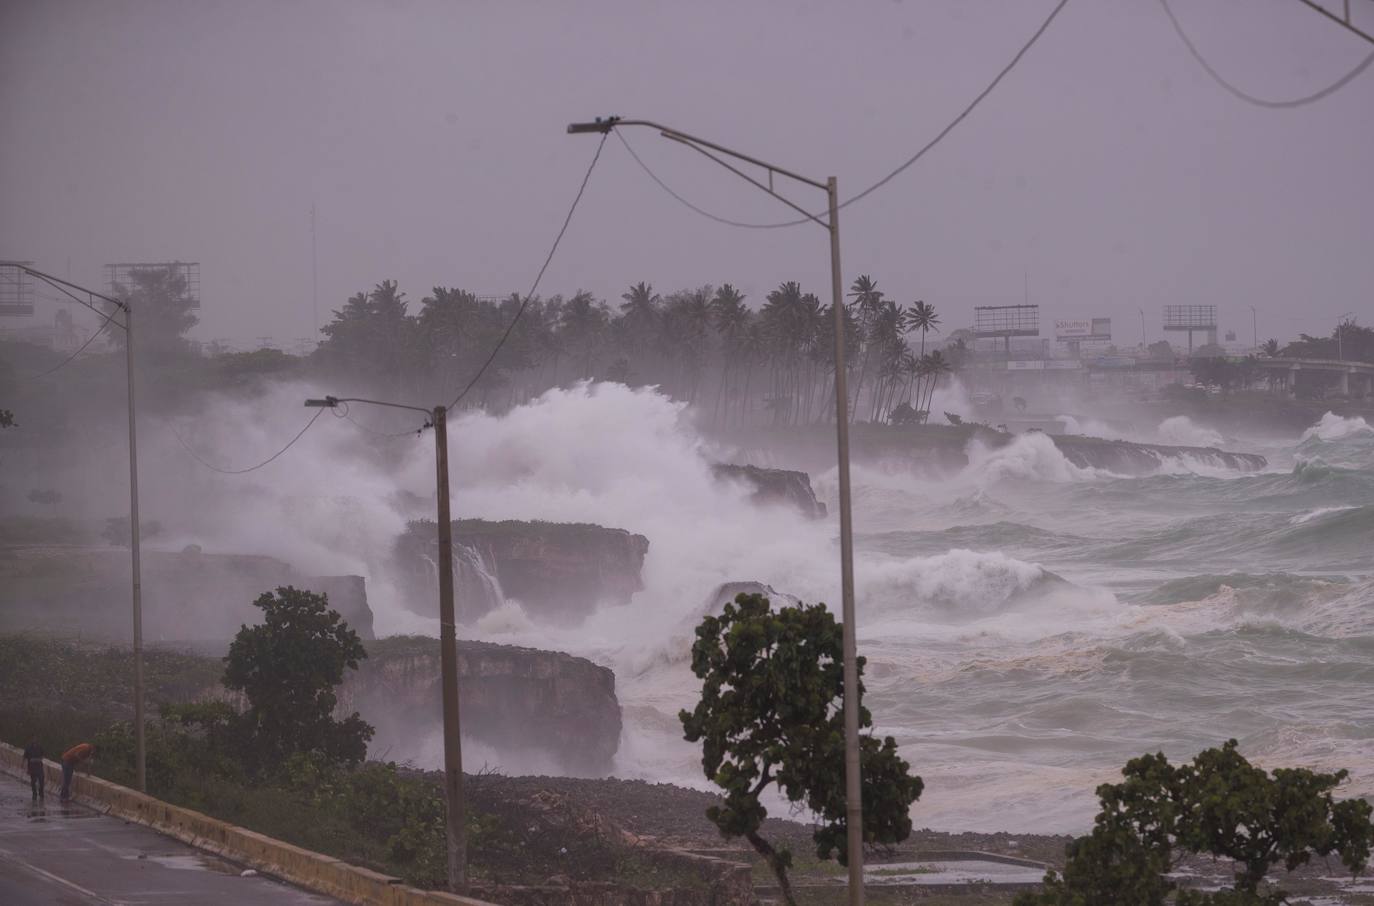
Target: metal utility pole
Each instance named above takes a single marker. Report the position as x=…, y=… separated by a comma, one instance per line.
x=853, y=794
x=140, y=751
x=448, y=658
x=66, y=287
x=1142, y=327
x=853, y=780
x=456, y=817
x=314, y=274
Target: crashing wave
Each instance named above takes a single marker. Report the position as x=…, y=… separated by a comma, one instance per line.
x=1333, y=427
x=1180, y=430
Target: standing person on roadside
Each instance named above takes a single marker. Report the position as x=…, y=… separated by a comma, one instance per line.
x=33, y=761
x=77, y=755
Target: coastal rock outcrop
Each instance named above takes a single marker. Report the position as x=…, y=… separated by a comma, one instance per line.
x=557, y=571
x=775, y=486
x=551, y=706
x=1127, y=458
x=187, y=596
x=935, y=450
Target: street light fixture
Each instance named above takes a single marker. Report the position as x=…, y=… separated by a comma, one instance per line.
x=853, y=799
x=437, y=418
x=64, y=286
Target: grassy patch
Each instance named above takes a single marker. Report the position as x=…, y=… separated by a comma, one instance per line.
x=377, y=815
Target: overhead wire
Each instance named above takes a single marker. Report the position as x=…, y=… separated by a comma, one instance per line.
x=214, y=468
x=1250, y=98
x=341, y=411
x=108, y=316
x=925, y=149
x=82, y=348
x=538, y=277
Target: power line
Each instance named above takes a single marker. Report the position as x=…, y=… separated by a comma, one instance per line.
x=890, y=176
x=540, y=276
x=214, y=468
x=1250, y=98
x=341, y=411
x=81, y=349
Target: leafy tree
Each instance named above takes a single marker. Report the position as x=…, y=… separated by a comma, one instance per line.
x=1219, y=805
x=6, y=419
x=372, y=335
x=771, y=713
x=163, y=308
x=287, y=667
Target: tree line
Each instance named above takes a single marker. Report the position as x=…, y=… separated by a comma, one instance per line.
x=706, y=346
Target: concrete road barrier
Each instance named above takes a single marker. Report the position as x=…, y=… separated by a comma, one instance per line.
x=311, y=870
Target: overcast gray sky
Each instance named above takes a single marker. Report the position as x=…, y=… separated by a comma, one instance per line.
x=1107, y=168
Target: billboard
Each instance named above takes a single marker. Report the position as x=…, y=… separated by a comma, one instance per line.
x=1190, y=317
x=1026, y=366
x=184, y=276
x=16, y=292
x=1006, y=321
x=1083, y=329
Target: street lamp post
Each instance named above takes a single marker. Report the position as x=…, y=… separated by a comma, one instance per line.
x=1254, y=326
x=135, y=553
x=853, y=796
x=456, y=823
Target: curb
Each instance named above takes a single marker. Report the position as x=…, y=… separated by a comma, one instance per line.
x=302, y=867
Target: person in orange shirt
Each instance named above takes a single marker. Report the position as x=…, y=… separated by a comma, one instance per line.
x=73, y=758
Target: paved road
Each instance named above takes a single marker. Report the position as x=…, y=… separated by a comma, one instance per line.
x=69, y=855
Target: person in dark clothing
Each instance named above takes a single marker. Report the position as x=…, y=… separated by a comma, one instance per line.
x=33, y=760
x=71, y=760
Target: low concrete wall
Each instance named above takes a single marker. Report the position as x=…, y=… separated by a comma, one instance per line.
x=311, y=870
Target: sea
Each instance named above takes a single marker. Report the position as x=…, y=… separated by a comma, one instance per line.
x=1029, y=624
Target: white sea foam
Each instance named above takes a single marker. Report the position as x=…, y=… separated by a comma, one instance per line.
x=1318, y=513
x=1333, y=427
x=1031, y=456
x=1180, y=430
x=979, y=661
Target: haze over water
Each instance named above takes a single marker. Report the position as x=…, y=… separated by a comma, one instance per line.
x=1029, y=625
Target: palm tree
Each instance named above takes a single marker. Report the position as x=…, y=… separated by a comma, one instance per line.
x=583, y=321
x=753, y=346
x=641, y=311
x=785, y=326
x=867, y=300
x=922, y=317
x=1270, y=348
x=936, y=365
x=730, y=318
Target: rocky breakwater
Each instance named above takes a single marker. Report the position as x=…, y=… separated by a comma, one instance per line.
x=936, y=450
x=1127, y=458
x=539, y=707
x=187, y=596
x=559, y=572
x=774, y=486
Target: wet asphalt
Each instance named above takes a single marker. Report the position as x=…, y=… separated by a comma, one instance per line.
x=54, y=854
